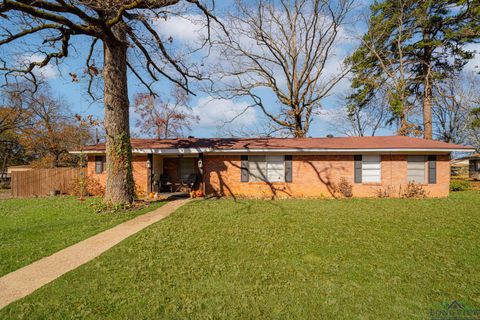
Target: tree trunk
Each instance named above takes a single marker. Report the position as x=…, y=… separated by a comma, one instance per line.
x=4, y=164
x=299, y=130
x=427, y=87
x=427, y=109
x=120, y=185
x=404, y=129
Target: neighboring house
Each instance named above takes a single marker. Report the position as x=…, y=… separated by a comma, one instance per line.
x=473, y=163
x=289, y=167
x=459, y=168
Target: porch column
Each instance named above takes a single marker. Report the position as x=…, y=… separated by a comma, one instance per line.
x=149, y=173
x=201, y=166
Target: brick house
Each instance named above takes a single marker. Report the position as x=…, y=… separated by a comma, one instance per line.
x=287, y=167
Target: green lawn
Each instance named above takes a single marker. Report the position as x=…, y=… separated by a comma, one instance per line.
x=34, y=228
x=288, y=259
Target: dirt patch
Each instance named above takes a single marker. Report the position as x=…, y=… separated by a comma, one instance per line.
x=5, y=194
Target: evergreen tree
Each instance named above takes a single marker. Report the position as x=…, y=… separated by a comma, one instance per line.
x=410, y=45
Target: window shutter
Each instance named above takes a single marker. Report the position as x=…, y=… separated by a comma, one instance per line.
x=358, y=168
x=432, y=169
x=288, y=168
x=244, y=169
x=98, y=164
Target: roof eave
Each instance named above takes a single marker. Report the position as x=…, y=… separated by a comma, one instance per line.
x=181, y=151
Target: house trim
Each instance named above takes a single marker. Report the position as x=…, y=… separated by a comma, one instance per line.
x=207, y=151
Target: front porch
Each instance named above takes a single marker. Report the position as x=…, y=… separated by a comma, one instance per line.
x=173, y=174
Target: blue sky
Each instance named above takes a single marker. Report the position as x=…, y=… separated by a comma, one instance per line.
x=211, y=113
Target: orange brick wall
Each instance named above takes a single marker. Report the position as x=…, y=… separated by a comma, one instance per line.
x=139, y=166
x=315, y=175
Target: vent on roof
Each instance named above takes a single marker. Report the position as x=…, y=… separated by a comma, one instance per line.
x=329, y=135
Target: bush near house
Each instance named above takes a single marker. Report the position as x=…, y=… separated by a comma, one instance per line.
x=414, y=191
x=459, y=185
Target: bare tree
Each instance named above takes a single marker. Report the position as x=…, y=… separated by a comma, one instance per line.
x=286, y=48
x=164, y=119
x=51, y=28
x=14, y=116
x=454, y=98
x=354, y=120
x=53, y=131
x=14, y=107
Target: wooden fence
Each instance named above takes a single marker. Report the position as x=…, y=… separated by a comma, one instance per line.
x=40, y=182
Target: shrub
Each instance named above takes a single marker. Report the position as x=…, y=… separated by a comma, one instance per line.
x=86, y=186
x=344, y=188
x=459, y=185
x=140, y=193
x=385, y=192
x=104, y=207
x=414, y=190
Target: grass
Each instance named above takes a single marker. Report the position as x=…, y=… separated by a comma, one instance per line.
x=34, y=228
x=288, y=259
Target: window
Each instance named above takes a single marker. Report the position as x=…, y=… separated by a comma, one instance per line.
x=275, y=168
x=266, y=168
x=186, y=168
x=257, y=168
x=99, y=164
x=416, y=169
x=371, y=168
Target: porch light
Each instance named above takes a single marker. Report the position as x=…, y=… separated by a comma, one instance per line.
x=149, y=164
x=200, y=163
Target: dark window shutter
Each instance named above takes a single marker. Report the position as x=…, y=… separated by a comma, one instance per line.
x=98, y=164
x=288, y=168
x=432, y=169
x=244, y=169
x=358, y=168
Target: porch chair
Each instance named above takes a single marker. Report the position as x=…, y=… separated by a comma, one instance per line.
x=165, y=183
x=192, y=178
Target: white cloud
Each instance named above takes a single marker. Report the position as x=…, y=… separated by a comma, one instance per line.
x=187, y=28
x=215, y=113
x=48, y=72
x=474, y=64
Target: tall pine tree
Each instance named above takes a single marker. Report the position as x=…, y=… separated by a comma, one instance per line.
x=410, y=45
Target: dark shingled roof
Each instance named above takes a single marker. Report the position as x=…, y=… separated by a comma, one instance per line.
x=377, y=142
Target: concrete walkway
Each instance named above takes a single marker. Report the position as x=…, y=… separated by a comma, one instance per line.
x=22, y=282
